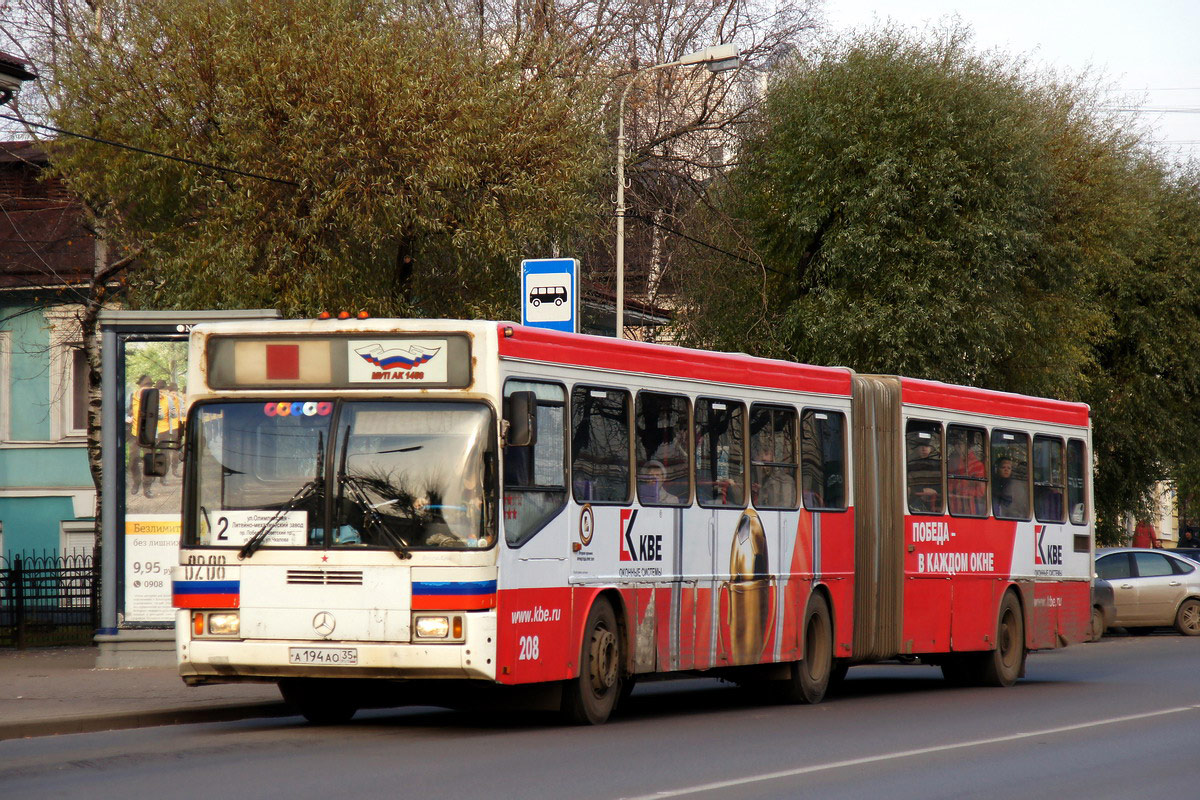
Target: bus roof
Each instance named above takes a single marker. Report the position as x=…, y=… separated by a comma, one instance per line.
x=537, y=344
x=948, y=396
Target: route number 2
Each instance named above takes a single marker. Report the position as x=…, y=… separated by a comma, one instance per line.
x=529, y=648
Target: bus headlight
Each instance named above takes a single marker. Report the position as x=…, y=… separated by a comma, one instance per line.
x=432, y=627
x=224, y=624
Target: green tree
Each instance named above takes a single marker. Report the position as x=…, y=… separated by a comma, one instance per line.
x=910, y=205
x=413, y=160
x=1146, y=376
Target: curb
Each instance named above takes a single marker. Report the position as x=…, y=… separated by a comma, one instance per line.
x=93, y=723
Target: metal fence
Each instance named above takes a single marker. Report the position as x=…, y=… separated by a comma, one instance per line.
x=47, y=600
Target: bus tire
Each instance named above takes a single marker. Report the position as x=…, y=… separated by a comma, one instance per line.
x=590, y=698
x=809, y=678
x=1096, y=629
x=1003, y=665
x=1187, y=618
x=319, y=702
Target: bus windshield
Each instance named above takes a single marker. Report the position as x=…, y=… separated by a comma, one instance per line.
x=398, y=475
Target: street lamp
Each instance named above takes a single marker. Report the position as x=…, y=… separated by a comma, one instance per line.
x=718, y=58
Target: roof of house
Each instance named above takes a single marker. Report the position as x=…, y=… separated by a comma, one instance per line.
x=43, y=239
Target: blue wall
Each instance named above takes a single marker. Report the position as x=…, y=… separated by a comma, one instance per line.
x=34, y=523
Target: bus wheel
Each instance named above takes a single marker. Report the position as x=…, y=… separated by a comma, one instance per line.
x=1003, y=665
x=1096, y=629
x=809, y=678
x=1187, y=618
x=319, y=702
x=591, y=697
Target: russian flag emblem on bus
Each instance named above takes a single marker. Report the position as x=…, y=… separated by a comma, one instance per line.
x=453, y=595
x=396, y=357
x=206, y=594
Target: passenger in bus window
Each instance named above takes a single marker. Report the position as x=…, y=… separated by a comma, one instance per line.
x=1010, y=494
x=652, y=489
x=772, y=485
x=674, y=460
x=1003, y=501
x=924, y=478
x=967, y=477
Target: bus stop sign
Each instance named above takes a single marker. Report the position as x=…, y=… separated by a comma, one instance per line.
x=549, y=293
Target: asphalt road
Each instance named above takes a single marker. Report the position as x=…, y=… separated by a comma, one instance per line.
x=1116, y=719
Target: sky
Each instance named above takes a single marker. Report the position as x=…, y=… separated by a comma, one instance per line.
x=1149, y=51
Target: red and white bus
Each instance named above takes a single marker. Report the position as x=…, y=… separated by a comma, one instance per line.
x=377, y=500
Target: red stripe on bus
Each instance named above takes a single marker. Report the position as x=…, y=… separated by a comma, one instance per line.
x=453, y=602
x=206, y=600
x=628, y=356
x=986, y=401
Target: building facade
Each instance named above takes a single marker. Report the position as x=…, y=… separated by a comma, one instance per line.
x=47, y=498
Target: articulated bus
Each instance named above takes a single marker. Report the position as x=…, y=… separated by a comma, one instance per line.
x=375, y=503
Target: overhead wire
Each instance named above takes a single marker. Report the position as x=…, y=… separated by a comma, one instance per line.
x=144, y=151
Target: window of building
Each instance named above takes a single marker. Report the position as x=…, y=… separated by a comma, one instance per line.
x=535, y=483
x=823, y=459
x=661, y=423
x=1077, y=481
x=720, y=453
x=1010, y=474
x=923, y=454
x=773, y=463
x=68, y=374
x=600, y=445
x=77, y=540
x=1049, y=479
x=966, y=476
x=78, y=393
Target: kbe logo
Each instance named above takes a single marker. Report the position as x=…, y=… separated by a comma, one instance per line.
x=1046, y=554
x=639, y=547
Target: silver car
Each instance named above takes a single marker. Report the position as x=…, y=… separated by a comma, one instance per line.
x=1152, y=588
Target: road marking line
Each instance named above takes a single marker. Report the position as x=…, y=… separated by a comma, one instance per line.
x=853, y=762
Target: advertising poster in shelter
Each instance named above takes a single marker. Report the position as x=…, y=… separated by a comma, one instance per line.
x=152, y=503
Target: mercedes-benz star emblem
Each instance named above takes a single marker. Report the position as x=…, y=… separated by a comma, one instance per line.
x=324, y=623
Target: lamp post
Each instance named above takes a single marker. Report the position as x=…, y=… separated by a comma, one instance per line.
x=718, y=58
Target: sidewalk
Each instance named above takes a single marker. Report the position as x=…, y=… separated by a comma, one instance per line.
x=58, y=690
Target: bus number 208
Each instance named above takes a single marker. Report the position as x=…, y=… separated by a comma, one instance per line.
x=529, y=648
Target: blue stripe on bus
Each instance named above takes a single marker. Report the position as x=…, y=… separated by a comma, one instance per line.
x=454, y=587
x=207, y=587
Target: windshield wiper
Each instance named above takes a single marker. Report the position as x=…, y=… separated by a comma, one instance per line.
x=370, y=516
x=306, y=491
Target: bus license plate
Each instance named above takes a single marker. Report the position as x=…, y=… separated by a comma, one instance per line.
x=323, y=655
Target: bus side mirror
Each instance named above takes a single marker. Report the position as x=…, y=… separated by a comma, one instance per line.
x=147, y=421
x=522, y=419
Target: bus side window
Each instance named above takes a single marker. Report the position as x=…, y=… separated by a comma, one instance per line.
x=600, y=445
x=535, y=488
x=720, y=453
x=773, y=465
x=1077, y=500
x=661, y=441
x=823, y=459
x=1010, y=474
x=1048, y=479
x=923, y=454
x=966, y=476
